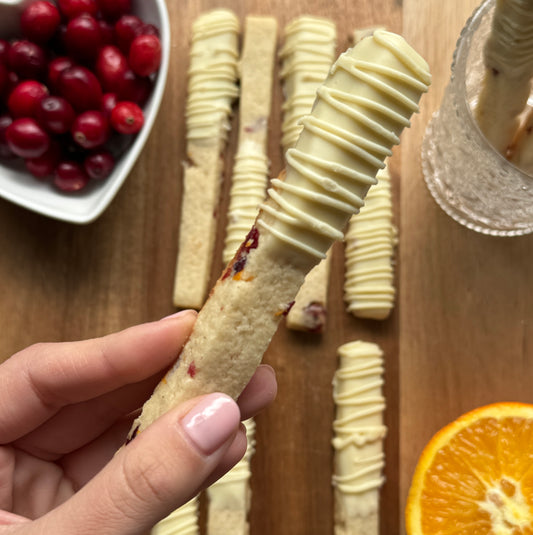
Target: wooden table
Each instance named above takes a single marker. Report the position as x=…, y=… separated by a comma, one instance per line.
x=460, y=335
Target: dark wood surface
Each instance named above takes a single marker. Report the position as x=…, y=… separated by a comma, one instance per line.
x=460, y=335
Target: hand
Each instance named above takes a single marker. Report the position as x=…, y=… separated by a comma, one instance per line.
x=65, y=410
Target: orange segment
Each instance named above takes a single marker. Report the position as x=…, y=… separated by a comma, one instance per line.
x=475, y=476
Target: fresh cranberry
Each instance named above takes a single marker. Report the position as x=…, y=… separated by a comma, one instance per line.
x=27, y=59
x=82, y=37
x=145, y=54
x=55, y=114
x=4, y=50
x=135, y=88
x=127, y=118
x=46, y=164
x=126, y=29
x=55, y=68
x=107, y=32
x=90, y=129
x=113, y=9
x=99, y=164
x=81, y=88
x=70, y=176
x=109, y=101
x=26, y=138
x=110, y=68
x=5, y=151
x=73, y=8
x=39, y=21
x=25, y=98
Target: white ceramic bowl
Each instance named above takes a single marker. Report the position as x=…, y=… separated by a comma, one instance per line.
x=18, y=186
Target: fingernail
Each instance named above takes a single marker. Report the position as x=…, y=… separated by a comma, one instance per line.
x=179, y=314
x=212, y=422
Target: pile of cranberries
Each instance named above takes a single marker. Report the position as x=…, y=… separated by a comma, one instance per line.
x=72, y=87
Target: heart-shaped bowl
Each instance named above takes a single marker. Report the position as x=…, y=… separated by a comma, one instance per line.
x=19, y=186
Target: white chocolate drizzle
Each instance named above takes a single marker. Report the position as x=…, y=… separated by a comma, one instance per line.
x=213, y=74
x=306, y=57
x=358, y=427
x=182, y=521
x=344, y=144
x=369, y=245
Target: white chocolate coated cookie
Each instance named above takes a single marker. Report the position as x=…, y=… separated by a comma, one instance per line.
x=212, y=89
x=369, y=246
x=363, y=106
x=358, y=438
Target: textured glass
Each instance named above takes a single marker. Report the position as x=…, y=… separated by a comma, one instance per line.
x=471, y=181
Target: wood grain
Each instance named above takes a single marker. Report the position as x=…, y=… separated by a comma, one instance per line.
x=460, y=336
x=466, y=337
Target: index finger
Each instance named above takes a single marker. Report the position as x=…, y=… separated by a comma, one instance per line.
x=41, y=379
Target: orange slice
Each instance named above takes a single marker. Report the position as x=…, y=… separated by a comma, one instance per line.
x=475, y=476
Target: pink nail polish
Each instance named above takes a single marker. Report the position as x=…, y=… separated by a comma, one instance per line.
x=210, y=423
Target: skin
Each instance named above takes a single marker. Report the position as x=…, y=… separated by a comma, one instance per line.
x=65, y=410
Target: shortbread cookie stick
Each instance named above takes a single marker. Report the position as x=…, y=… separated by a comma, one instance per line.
x=183, y=521
x=369, y=246
x=358, y=438
x=250, y=170
x=359, y=114
x=229, y=498
x=508, y=58
x=307, y=56
x=212, y=88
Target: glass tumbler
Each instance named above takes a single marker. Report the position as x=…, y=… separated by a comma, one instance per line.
x=472, y=182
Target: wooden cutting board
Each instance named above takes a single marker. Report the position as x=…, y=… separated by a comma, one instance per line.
x=460, y=335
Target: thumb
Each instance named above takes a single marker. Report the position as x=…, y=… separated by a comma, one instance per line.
x=160, y=470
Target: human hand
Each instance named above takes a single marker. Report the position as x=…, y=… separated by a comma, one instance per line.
x=65, y=410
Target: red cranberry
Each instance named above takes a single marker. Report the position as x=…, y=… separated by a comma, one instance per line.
x=25, y=98
x=39, y=21
x=109, y=101
x=27, y=59
x=82, y=37
x=4, y=50
x=73, y=8
x=111, y=66
x=55, y=114
x=26, y=138
x=70, y=176
x=5, y=151
x=90, y=129
x=113, y=9
x=135, y=88
x=99, y=164
x=107, y=32
x=145, y=54
x=126, y=29
x=127, y=118
x=44, y=165
x=81, y=88
x=55, y=68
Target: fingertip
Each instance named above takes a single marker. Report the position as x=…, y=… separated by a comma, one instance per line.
x=188, y=314
x=259, y=392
